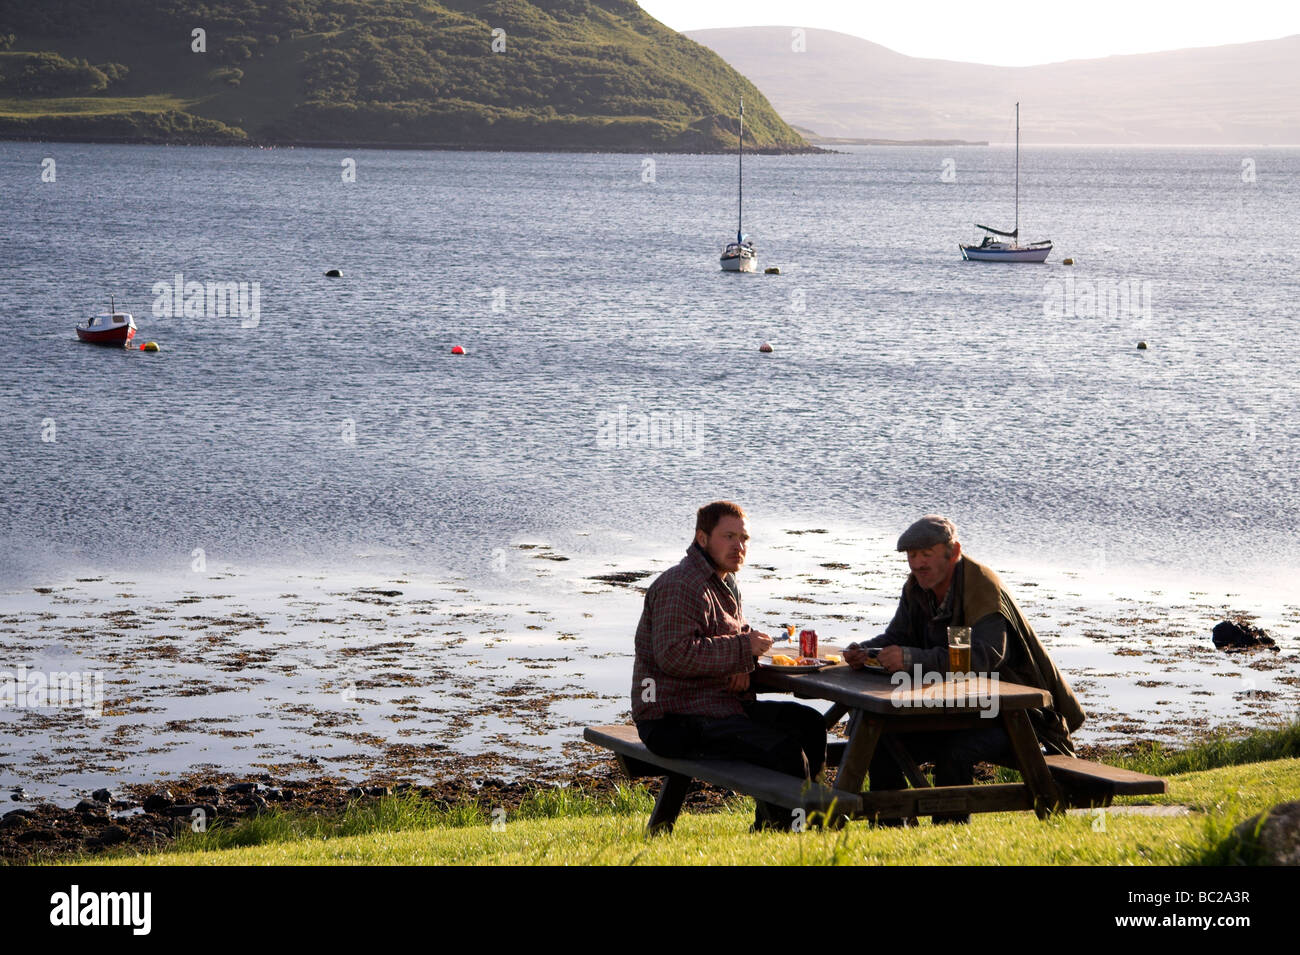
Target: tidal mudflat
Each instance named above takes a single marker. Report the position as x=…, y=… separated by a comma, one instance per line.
x=377, y=676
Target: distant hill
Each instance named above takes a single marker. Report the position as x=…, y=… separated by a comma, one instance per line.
x=844, y=86
x=566, y=74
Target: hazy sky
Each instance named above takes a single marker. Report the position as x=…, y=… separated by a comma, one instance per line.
x=1003, y=32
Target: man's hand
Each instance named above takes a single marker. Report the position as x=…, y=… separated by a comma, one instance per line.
x=891, y=658
x=855, y=657
x=738, y=682
x=759, y=643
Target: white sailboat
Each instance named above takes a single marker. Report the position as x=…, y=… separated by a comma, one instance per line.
x=995, y=250
x=740, y=256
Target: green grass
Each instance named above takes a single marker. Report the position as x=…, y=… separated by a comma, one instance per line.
x=577, y=74
x=88, y=105
x=409, y=813
x=1219, y=750
x=1221, y=781
x=567, y=827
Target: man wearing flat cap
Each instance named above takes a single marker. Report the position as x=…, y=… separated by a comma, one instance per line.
x=948, y=589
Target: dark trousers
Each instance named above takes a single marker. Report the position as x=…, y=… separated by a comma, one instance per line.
x=954, y=756
x=787, y=737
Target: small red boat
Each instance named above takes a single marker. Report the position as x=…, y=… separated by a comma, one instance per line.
x=117, y=328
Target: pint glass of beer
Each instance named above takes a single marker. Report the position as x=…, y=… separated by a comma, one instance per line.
x=958, y=650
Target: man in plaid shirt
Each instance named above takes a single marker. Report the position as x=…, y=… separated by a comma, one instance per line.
x=694, y=653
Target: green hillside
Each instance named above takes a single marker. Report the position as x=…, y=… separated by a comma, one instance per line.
x=565, y=74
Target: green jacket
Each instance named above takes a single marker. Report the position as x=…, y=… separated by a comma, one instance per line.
x=980, y=595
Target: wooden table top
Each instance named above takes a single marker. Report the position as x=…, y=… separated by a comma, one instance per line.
x=875, y=693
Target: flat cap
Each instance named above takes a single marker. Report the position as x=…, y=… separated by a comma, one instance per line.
x=928, y=531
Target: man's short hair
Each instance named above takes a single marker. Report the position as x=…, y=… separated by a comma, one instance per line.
x=928, y=531
x=707, y=517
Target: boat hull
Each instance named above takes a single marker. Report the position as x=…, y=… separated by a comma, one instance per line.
x=739, y=265
x=114, y=337
x=1036, y=253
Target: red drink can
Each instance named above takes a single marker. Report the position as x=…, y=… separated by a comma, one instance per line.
x=808, y=643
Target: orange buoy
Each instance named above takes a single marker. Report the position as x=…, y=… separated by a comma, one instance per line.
x=457, y=350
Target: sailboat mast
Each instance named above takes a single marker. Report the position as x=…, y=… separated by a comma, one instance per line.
x=740, y=174
x=1017, y=233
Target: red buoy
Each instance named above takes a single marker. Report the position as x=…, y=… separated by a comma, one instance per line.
x=457, y=350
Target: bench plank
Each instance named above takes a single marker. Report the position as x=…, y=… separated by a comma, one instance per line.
x=765, y=784
x=1083, y=774
x=981, y=797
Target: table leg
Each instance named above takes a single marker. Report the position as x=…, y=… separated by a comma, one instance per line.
x=835, y=714
x=1032, y=765
x=857, y=756
x=906, y=763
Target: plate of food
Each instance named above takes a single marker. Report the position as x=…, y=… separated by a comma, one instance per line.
x=792, y=664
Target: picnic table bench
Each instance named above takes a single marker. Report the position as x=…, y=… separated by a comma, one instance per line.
x=881, y=714
x=637, y=761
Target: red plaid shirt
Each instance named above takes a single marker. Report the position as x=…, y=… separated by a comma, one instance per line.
x=691, y=638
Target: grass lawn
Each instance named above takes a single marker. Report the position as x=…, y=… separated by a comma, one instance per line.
x=564, y=828
x=89, y=105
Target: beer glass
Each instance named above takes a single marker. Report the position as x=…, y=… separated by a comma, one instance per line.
x=958, y=650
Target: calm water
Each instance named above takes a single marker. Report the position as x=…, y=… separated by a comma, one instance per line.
x=903, y=380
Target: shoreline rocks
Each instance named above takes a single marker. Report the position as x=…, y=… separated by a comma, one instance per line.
x=147, y=818
x=1271, y=837
x=1236, y=636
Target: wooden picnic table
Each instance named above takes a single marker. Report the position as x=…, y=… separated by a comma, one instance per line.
x=882, y=710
